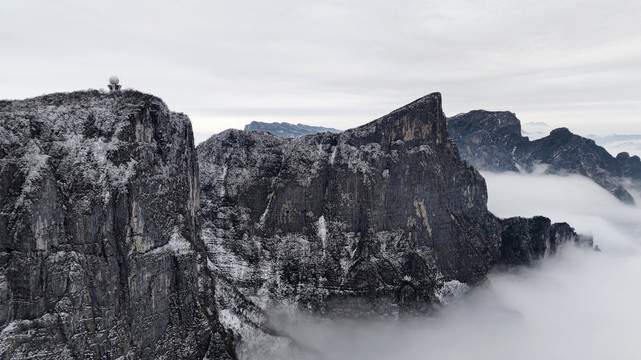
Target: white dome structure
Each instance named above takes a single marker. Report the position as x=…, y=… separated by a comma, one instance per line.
x=113, y=84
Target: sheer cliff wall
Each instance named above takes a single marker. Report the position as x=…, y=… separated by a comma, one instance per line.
x=382, y=218
x=100, y=255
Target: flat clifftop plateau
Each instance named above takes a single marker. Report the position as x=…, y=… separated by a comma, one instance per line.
x=492, y=141
x=100, y=254
x=383, y=219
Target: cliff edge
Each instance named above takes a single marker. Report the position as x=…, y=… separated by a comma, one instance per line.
x=100, y=254
x=383, y=219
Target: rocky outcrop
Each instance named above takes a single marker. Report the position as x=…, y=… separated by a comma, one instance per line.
x=524, y=241
x=288, y=130
x=100, y=254
x=488, y=140
x=380, y=219
x=492, y=141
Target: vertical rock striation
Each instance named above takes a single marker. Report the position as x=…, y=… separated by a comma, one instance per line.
x=380, y=219
x=524, y=241
x=100, y=255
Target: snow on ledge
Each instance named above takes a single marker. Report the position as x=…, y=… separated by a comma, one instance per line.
x=177, y=244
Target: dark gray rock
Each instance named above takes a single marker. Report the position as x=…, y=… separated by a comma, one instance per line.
x=383, y=219
x=524, y=241
x=488, y=140
x=630, y=166
x=288, y=130
x=100, y=254
x=492, y=141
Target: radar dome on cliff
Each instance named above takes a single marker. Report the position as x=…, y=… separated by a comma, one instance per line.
x=113, y=83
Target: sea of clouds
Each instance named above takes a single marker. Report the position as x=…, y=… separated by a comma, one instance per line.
x=580, y=304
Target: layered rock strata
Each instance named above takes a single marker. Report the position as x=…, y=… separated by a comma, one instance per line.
x=100, y=254
x=380, y=219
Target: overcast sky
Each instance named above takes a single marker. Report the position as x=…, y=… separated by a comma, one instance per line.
x=336, y=63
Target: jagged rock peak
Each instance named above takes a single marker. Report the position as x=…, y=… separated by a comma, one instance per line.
x=431, y=99
x=626, y=156
x=623, y=155
x=376, y=219
x=561, y=132
x=420, y=121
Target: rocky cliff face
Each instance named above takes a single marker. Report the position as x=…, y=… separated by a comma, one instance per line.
x=524, y=241
x=100, y=254
x=381, y=219
x=492, y=141
x=287, y=130
x=385, y=210
x=488, y=140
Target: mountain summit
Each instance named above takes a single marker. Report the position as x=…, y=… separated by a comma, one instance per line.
x=119, y=239
x=384, y=218
x=492, y=141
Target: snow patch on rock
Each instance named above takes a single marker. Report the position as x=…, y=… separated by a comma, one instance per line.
x=451, y=291
x=322, y=232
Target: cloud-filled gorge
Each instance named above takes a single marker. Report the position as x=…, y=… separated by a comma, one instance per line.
x=581, y=304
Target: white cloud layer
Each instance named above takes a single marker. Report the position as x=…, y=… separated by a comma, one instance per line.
x=580, y=304
x=336, y=63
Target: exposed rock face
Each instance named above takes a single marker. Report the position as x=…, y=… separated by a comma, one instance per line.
x=488, y=140
x=376, y=219
x=100, y=254
x=630, y=166
x=492, y=141
x=523, y=241
x=288, y=130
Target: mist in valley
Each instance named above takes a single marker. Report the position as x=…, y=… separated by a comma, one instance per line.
x=579, y=304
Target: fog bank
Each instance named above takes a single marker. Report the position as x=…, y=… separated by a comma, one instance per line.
x=580, y=304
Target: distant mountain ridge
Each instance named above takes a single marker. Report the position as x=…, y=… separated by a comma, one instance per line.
x=100, y=250
x=492, y=140
x=288, y=130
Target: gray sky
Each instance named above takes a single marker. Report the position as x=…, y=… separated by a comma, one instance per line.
x=337, y=63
